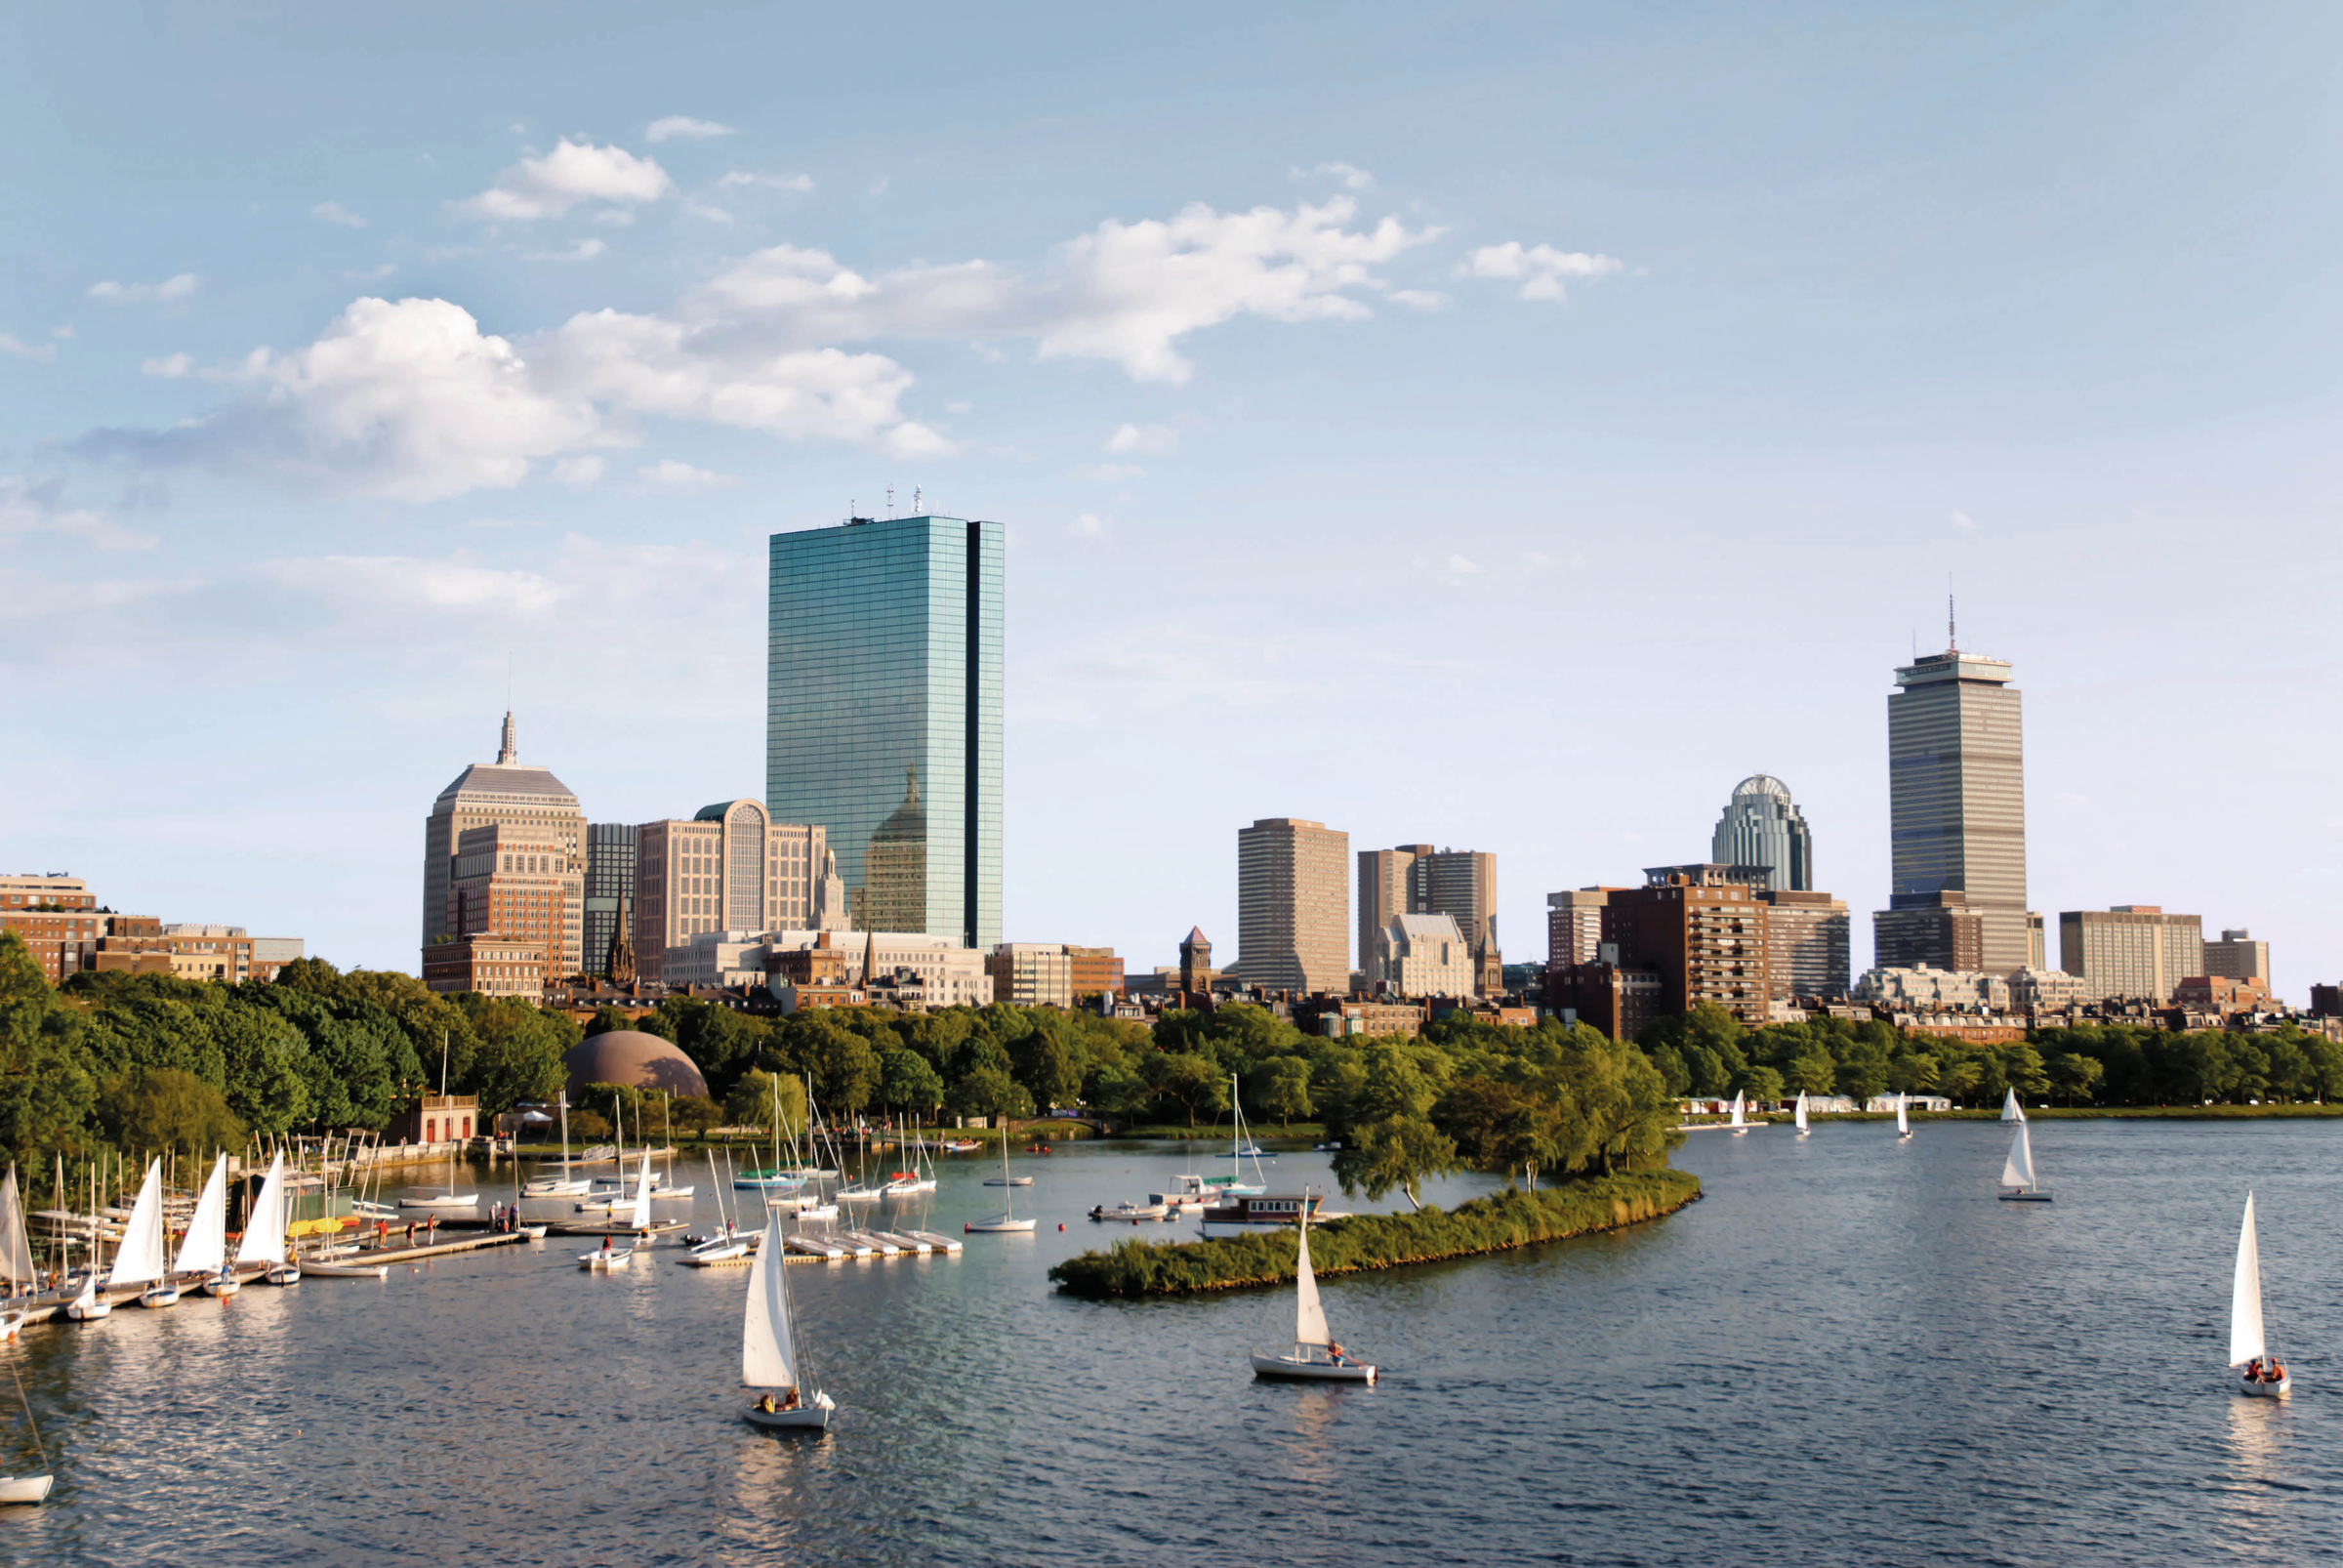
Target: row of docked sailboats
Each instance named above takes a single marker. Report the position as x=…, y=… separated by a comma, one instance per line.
x=202, y=1261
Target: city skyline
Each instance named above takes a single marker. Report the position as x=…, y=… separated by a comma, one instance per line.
x=1513, y=360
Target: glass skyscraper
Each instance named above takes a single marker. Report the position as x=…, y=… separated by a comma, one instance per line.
x=883, y=687
x=1762, y=827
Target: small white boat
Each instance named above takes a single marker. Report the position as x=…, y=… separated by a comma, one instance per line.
x=1741, y=1113
x=2011, y=1110
x=908, y=1242
x=2259, y=1374
x=999, y=1225
x=1006, y=1222
x=861, y=1194
x=1902, y=1119
x=203, y=1251
x=441, y=1200
x=769, y=1347
x=2017, y=1171
x=330, y=1271
x=558, y=1188
x=12, y=1322
x=941, y=1243
x=15, y=1251
x=287, y=1272
x=812, y=1246
x=1133, y=1213
x=1315, y=1356
x=264, y=1229
x=88, y=1306
x=24, y=1488
x=871, y=1242
x=1000, y=1181
x=139, y=1259
x=1801, y=1115
x=223, y=1283
x=605, y=1259
x=1250, y=1150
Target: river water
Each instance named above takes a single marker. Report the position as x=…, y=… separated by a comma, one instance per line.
x=1849, y=1352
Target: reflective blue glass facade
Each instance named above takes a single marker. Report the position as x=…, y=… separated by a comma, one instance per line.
x=884, y=686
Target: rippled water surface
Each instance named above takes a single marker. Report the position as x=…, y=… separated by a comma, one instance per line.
x=1850, y=1352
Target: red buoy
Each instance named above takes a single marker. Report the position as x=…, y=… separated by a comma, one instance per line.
x=1061, y=1224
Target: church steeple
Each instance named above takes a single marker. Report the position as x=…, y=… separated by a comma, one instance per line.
x=505, y=754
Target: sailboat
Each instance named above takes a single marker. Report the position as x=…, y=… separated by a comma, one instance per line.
x=265, y=1227
x=2011, y=1110
x=1240, y=1146
x=139, y=1259
x=1315, y=1357
x=88, y=1306
x=1740, y=1114
x=15, y=1253
x=1007, y=1220
x=606, y=1257
x=563, y=1185
x=203, y=1251
x=27, y=1488
x=1903, y=1118
x=2016, y=1174
x=451, y=1198
x=1801, y=1115
x=769, y=1345
x=2259, y=1372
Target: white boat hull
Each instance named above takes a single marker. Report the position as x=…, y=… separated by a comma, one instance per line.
x=603, y=1262
x=1000, y=1181
x=282, y=1274
x=223, y=1285
x=2027, y=1195
x=89, y=1311
x=2266, y=1391
x=999, y=1228
x=1300, y=1370
x=449, y=1200
x=558, y=1188
x=811, y=1418
x=351, y=1270
x=12, y=1324
x=159, y=1295
x=25, y=1488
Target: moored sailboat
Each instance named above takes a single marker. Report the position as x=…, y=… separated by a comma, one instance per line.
x=140, y=1261
x=768, y=1345
x=1006, y=1221
x=1315, y=1356
x=2259, y=1372
x=265, y=1227
x=2011, y=1110
x=203, y=1250
x=15, y=1253
x=27, y=1488
x=2017, y=1171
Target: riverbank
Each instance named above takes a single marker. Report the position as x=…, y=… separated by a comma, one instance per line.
x=1499, y=1222
x=2042, y=1113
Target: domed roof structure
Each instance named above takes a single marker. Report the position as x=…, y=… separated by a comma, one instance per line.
x=1761, y=784
x=630, y=1057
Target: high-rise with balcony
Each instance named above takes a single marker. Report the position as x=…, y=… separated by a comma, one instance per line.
x=1292, y=889
x=1957, y=808
x=1762, y=827
x=883, y=693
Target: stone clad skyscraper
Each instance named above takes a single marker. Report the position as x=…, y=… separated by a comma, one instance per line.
x=1292, y=886
x=1957, y=809
x=884, y=695
x=535, y=807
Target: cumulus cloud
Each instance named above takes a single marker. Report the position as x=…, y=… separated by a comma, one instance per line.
x=408, y=399
x=10, y=342
x=800, y=183
x=1539, y=268
x=668, y=473
x=584, y=250
x=1349, y=174
x=1419, y=298
x=170, y=367
x=1143, y=439
x=573, y=173
x=333, y=212
x=177, y=287
x=686, y=127
x=580, y=470
x=27, y=507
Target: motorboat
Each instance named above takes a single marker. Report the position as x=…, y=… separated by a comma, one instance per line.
x=1134, y=1213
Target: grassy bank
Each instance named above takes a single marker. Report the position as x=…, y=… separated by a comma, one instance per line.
x=1496, y=1223
x=2046, y=1113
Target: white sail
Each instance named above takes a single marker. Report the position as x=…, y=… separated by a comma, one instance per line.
x=2246, y=1296
x=768, y=1356
x=2011, y=1110
x=141, y=1258
x=16, y=1248
x=1309, y=1318
x=2018, y=1169
x=1801, y=1110
x=642, y=1194
x=205, y=1247
x=265, y=1226
x=1739, y=1119
x=1903, y=1118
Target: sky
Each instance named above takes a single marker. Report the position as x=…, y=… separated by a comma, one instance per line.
x=1502, y=427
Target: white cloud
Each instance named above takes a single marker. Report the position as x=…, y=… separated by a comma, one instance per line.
x=1539, y=268
x=170, y=367
x=373, y=274
x=1143, y=439
x=799, y=183
x=177, y=287
x=584, y=250
x=573, y=173
x=1089, y=525
x=580, y=470
x=333, y=212
x=702, y=209
x=1419, y=298
x=670, y=475
x=1462, y=567
x=401, y=582
x=10, y=342
x=410, y=400
x=1961, y=519
x=29, y=508
x=687, y=127
x=1350, y=175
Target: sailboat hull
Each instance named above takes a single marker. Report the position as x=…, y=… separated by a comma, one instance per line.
x=999, y=1228
x=282, y=1274
x=2026, y=1195
x=804, y=1418
x=159, y=1295
x=1297, y=1370
x=2266, y=1391
x=25, y=1488
x=223, y=1285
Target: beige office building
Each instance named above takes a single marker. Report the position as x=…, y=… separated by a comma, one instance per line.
x=2238, y=957
x=1418, y=956
x=1293, y=898
x=1808, y=937
x=1416, y=879
x=728, y=868
x=509, y=794
x=2132, y=952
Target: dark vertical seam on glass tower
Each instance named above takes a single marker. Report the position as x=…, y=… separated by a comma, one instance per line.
x=969, y=771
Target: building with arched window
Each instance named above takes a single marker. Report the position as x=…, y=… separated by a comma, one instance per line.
x=1762, y=827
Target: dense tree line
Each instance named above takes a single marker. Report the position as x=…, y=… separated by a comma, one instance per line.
x=1707, y=1052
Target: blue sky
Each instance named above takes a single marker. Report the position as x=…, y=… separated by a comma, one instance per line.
x=1499, y=427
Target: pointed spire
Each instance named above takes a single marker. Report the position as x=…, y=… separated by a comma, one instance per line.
x=869, y=957
x=505, y=754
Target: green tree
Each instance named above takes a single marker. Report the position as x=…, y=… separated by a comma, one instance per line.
x=1049, y=1066
x=1281, y=1087
x=754, y=1097
x=2073, y=1075
x=169, y=1108
x=2022, y=1067
x=1393, y=1151
x=1762, y=1084
x=908, y=1083
x=990, y=1091
x=1812, y=1072
x=520, y=1053
x=1189, y=1080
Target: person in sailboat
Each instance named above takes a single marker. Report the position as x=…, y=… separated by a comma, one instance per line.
x=1334, y=1352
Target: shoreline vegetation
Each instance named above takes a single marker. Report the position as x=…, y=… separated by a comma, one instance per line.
x=2050, y=1113
x=1501, y=1221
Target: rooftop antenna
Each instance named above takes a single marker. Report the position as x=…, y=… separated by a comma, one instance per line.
x=1952, y=626
x=916, y=493
x=849, y=509
x=890, y=500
